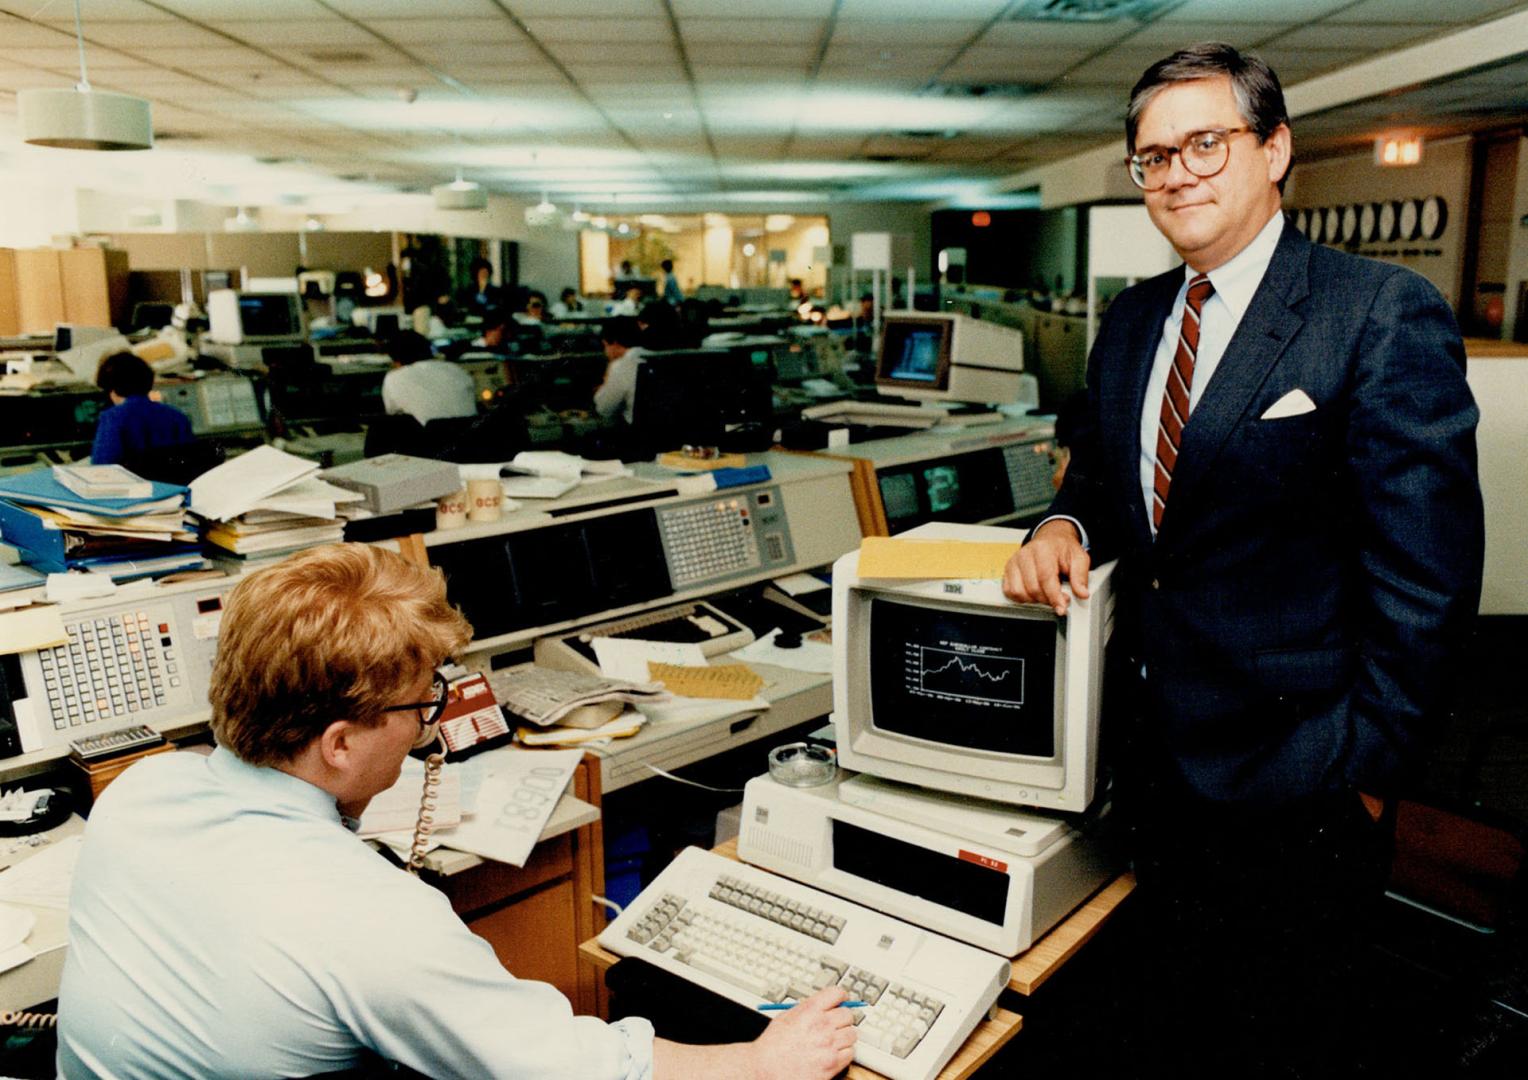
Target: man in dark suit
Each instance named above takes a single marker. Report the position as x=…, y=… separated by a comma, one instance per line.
x=1279, y=448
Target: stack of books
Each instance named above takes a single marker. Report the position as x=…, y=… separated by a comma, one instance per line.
x=266, y=504
x=57, y=529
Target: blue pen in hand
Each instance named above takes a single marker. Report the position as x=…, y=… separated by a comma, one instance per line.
x=777, y=1007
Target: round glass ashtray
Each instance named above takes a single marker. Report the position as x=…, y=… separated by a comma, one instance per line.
x=801, y=764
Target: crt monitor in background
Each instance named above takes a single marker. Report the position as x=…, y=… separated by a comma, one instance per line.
x=951, y=686
x=946, y=356
x=240, y=318
x=915, y=354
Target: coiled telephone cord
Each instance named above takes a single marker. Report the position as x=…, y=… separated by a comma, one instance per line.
x=426, y=821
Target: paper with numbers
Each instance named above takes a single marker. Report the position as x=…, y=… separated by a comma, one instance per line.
x=517, y=790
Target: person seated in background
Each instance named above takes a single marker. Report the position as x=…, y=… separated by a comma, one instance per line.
x=628, y=302
x=482, y=296
x=568, y=303
x=798, y=291
x=135, y=422
x=226, y=922
x=535, y=309
x=621, y=338
x=423, y=387
x=659, y=323
x=668, y=285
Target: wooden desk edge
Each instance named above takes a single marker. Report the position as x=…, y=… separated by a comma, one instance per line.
x=1045, y=957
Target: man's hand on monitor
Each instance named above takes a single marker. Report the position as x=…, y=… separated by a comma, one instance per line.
x=813, y=1040
x=1034, y=572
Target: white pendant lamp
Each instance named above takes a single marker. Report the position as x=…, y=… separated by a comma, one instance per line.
x=83, y=118
x=460, y=195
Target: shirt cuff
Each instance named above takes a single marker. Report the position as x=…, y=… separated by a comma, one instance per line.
x=1082, y=533
x=638, y=1036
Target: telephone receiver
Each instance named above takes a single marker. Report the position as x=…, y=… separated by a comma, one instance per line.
x=470, y=723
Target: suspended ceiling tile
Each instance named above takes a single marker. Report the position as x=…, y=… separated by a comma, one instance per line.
x=740, y=32
x=637, y=55
x=771, y=81
x=220, y=11
x=398, y=76
x=63, y=57
x=1294, y=12
x=436, y=9
x=1060, y=34
x=920, y=10
x=1176, y=35
x=905, y=31
x=1365, y=38
x=221, y=58
x=604, y=31
x=479, y=52
x=93, y=11
x=154, y=34
x=326, y=33
x=592, y=73
x=416, y=32
x=790, y=58
x=1460, y=12
x=496, y=78
x=780, y=9
x=607, y=8
x=20, y=34
x=1011, y=65
x=906, y=57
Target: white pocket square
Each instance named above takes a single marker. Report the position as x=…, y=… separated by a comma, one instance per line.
x=1294, y=403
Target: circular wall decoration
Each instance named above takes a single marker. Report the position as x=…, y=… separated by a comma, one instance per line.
x=1368, y=222
x=1300, y=220
x=1410, y=219
x=1350, y=223
x=1434, y=217
x=1333, y=229
x=1317, y=226
x=1388, y=212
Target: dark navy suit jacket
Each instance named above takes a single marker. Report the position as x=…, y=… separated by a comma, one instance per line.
x=1299, y=610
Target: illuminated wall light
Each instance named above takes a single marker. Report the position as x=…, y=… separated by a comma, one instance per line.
x=1398, y=150
x=749, y=250
x=981, y=219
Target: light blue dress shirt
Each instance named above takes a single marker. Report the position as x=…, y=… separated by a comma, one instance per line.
x=225, y=923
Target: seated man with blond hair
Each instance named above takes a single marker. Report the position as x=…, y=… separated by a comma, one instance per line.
x=226, y=922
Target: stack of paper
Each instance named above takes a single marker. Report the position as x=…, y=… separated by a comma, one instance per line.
x=57, y=530
x=267, y=503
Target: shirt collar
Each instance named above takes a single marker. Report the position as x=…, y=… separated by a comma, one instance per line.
x=261, y=786
x=1237, y=279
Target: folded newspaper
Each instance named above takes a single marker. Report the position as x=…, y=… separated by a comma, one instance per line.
x=544, y=696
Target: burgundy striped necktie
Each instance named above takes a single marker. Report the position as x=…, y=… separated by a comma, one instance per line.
x=1175, y=401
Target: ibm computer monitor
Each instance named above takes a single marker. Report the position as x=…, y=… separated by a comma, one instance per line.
x=945, y=356
x=949, y=685
x=241, y=318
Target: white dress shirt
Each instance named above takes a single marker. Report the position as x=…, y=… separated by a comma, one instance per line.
x=1234, y=282
x=225, y=923
x=618, y=393
x=429, y=390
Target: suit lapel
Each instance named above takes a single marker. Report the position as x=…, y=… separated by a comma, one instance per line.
x=1264, y=333
x=1128, y=395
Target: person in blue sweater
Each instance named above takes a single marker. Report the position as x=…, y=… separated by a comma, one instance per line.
x=134, y=423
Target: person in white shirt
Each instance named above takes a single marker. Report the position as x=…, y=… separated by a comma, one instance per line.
x=618, y=393
x=225, y=921
x=423, y=387
x=629, y=304
x=567, y=304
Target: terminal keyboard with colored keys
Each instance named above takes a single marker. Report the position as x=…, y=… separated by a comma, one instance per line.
x=754, y=938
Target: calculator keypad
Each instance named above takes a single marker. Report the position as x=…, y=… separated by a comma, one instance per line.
x=113, y=668
x=710, y=540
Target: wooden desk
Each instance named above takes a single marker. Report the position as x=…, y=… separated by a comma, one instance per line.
x=1030, y=969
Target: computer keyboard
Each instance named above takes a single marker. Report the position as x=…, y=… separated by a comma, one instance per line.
x=753, y=938
x=879, y=409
